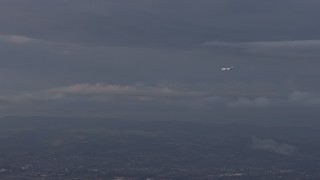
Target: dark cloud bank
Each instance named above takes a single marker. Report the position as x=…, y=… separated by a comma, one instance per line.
x=160, y=59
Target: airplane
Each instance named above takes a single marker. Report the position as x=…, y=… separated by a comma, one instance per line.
x=227, y=68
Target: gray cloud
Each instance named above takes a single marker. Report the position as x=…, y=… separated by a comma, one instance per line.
x=167, y=90
x=257, y=102
x=296, y=98
x=271, y=145
x=161, y=101
x=72, y=57
x=293, y=49
x=306, y=98
x=161, y=96
x=159, y=23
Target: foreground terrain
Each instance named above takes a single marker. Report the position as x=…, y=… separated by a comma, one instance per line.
x=71, y=148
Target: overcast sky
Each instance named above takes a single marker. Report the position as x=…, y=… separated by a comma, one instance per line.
x=161, y=59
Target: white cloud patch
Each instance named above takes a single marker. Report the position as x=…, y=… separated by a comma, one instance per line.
x=137, y=89
x=102, y=91
x=16, y=39
x=271, y=145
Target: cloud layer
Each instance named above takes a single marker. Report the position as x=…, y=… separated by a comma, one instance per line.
x=295, y=48
x=271, y=145
x=137, y=89
x=97, y=99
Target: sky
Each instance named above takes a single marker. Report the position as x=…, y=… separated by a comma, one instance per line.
x=161, y=59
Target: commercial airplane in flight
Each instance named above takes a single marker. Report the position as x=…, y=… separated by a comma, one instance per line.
x=227, y=68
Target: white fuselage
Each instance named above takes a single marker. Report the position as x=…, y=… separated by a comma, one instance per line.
x=227, y=68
